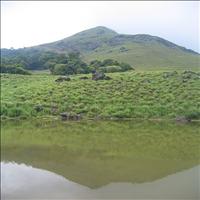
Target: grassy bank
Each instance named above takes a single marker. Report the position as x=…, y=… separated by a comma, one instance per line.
x=126, y=95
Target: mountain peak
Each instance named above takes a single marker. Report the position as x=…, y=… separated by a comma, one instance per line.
x=98, y=30
x=103, y=28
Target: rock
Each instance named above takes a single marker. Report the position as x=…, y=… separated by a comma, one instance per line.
x=182, y=119
x=189, y=72
x=184, y=80
x=146, y=81
x=190, y=75
x=83, y=78
x=169, y=74
x=64, y=116
x=54, y=109
x=123, y=49
x=62, y=78
x=69, y=116
x=99, y=76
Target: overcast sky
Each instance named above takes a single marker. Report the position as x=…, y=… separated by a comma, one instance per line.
x=29, y=23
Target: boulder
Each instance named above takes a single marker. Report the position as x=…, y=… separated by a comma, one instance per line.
x=123, y=49
x=182, y=119
x=169, y=74
x=54, y=109
x=146, y=81
x=190, y=75
x=62, y=78
x=70, y=116
x=99, y=76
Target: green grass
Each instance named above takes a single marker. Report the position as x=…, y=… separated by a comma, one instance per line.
x=151, y=56
x=39, y=72
x=128, y=95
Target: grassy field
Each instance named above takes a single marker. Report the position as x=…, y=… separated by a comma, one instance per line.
x=127, y=95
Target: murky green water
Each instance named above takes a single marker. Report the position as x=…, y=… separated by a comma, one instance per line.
x=100, y=160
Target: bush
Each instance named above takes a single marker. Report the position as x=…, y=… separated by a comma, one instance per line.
x=60, y=69
x=14, y=70
x=125, y=67
x=15, y=112
x=71, y=65
x=193, y=115
x=95, y=63
x=109, y=65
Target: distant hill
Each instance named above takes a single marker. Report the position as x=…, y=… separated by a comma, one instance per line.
x=139, y=50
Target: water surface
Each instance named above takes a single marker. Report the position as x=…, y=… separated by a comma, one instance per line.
x=100, y=160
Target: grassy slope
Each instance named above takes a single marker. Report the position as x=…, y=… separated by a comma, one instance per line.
x=142, y=51
x=127, y=95
x=147, y=56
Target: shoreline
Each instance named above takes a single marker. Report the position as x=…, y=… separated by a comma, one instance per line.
x=58, y=118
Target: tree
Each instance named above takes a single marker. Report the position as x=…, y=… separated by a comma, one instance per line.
x=71, y=64
x=95, y=63
x=74, y=55
x=125, y=67
x=60, y=69
x=13, y=69
x=109, y=65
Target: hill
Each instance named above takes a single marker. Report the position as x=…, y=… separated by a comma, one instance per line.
x=141, y=50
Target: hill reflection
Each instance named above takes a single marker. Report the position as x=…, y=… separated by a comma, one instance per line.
x=95, y=154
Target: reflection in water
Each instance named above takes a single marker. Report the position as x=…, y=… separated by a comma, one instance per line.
x=100, y=160
x=21, y=181
x=25, y=182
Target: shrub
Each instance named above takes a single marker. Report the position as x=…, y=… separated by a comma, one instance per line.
x=15, y=112
x=61, y=69
x=193, y=115
x=125, y=67
x=110, y=65
x=14, y=70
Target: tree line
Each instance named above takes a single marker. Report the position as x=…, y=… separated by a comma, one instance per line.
x=20, y=60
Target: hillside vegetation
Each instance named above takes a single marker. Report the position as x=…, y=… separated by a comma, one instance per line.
x=100, y=43
x=59, y=64
x=127, y=95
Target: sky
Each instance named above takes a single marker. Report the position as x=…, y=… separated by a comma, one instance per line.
x=29, y=23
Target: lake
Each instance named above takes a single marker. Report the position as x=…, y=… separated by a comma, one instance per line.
x=45, y=159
